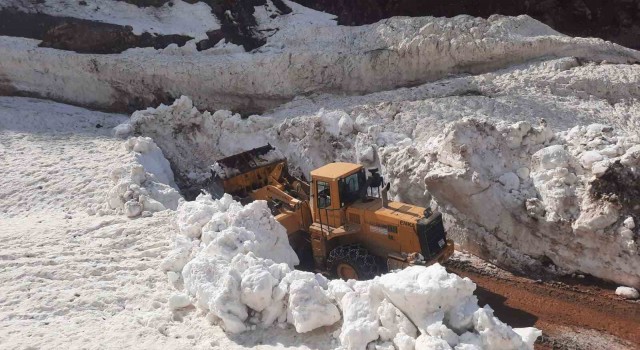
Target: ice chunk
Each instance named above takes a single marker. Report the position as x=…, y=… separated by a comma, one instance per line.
x=590, y=157
x=309, y=306
x=628, y=292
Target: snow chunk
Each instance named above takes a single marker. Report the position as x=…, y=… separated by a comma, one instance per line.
x=309, y=306
x=147, y=185
x=551, y=157
x=420, y=292
x=123, y=130
x=590, y=157
x=510, y=181
x=629, y=223
x=360, y=318
x=178, y=301
x=628, y=292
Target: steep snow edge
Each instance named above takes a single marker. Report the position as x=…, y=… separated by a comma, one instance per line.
x=305, y=55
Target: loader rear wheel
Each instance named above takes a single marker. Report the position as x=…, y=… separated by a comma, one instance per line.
x=352, y=262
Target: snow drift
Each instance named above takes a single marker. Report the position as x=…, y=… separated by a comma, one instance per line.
x=235, y=264
x=391, y=53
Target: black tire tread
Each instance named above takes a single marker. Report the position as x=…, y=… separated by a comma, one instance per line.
x=355, y=255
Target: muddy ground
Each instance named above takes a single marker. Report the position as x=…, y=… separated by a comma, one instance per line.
x=572, y=312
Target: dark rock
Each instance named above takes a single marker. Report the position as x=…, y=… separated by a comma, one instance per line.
x=83, y=36
x=238, y=23
x=90, y=38
x=619, y=184
x=213, y=37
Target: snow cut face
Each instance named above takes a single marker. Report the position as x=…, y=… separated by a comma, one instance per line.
x=353, y=60
x=234, y=263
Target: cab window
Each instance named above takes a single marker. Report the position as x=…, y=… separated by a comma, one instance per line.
x=350, y=187
x=324, y=194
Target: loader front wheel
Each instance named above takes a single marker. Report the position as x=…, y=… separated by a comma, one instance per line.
x=352, y=262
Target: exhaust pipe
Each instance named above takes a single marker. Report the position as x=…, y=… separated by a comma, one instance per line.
x=385, y=199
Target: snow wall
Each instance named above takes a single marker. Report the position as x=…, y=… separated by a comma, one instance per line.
x=307, y=53
x=235, y=264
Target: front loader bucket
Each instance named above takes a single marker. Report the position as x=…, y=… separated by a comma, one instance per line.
x=244, y=172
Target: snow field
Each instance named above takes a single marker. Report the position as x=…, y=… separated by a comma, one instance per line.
x=235, y=265
x=69, y=279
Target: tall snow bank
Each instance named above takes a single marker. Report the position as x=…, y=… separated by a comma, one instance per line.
x=526, y=192
x=234, y=263
x=146, y=185
x=301, y=56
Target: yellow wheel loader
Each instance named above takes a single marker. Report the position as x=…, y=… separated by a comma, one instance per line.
x=342, y=222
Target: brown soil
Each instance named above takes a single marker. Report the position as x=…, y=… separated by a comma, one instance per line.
x=572, y=313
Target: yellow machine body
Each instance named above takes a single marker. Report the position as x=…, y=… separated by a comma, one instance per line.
x=387, y=229
x=335, y=211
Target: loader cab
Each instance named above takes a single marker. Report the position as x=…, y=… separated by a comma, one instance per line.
x=333, y=188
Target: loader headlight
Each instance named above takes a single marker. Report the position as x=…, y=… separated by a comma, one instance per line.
x=427, y=212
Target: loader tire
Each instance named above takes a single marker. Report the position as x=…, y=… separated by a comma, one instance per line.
x=352, y=262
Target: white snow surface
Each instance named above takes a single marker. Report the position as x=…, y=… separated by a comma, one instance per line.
x=180, y=18
x=73, y=279
x=392, y=53
x=235, y=264
x=522, y=139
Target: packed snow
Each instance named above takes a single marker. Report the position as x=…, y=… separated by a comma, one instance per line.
x=234, y=264
x=392, y=53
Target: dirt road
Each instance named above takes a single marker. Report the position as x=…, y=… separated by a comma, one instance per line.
x=573, y=313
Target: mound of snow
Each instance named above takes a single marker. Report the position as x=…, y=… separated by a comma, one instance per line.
x=147, y=184
x=235, y=264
